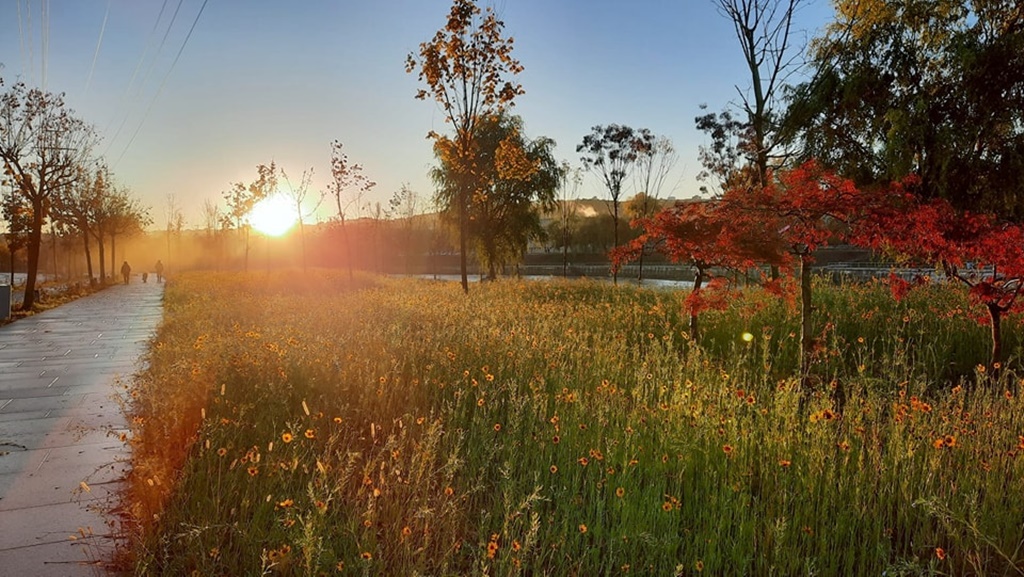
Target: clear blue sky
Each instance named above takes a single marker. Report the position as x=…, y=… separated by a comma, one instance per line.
x=262, y=80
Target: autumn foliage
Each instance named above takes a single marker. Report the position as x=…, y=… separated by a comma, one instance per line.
x=783, y=224
x=974, y=249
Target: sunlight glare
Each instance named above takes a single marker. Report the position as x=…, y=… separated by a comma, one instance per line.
x=274, y=215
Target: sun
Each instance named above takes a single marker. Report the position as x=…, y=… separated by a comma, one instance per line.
x=273, y=215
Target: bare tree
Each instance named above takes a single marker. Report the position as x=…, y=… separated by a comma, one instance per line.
x=347, y=187
x=402, y=206
x=298, y=194
x=212, y=219
x=653, y=166
x=611, y=152
x=241, y=199
x=764, y=29
x=76, y=208
x=19, y=221
x=567, y=204
x=42, y=144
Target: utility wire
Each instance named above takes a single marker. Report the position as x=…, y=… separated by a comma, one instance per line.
x=99, y=41
x=160, y=89
x=30, y=70
x=45, y=33
x=162, y=42
x=21, y=37
x=127, y=100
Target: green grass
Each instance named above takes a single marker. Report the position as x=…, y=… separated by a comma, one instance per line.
x=567, y=429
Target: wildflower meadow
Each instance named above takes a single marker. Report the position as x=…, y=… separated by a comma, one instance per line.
x=317, y=425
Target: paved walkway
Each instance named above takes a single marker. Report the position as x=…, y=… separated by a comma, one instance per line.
x=60, y=426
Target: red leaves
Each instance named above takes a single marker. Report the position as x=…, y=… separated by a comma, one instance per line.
x=898, y=287
x=713, y=297
x=972, y=248
x=800, y=209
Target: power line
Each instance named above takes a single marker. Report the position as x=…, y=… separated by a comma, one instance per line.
x=21, y=37
x=160, y=89
x=99, y=41
x=127, y=100
x=44, y=24
x=162, y=42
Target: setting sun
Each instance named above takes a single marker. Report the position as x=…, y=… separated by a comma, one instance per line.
x=274, y=215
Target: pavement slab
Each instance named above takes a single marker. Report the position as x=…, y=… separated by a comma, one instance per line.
x=62, y=457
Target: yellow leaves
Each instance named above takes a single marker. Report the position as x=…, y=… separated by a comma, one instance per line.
x=511, y=160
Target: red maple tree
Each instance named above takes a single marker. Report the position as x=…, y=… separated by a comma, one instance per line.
x=699, y=234
x=974, y=249
x=799, y=210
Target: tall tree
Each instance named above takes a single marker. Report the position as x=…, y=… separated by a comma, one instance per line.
x=298, y=194
x=347, y=187
x=563, y=228
x=652, y=168
x=75, y=209
x=933, y=88
x=42, y=144
x=513, y=176
x=611, y=152
x=212, y=221
x=729, y=160
x=241, y=198
x=402, y=207
x=466, y=68
x=797, y=212
x=764, y=29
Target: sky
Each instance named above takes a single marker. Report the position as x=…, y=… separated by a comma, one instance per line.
x=188, y=96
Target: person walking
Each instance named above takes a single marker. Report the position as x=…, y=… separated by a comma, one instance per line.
x=126, y=271
x=159, y=271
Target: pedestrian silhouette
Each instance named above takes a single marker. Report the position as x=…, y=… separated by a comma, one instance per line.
x=159, y=271
x=126, y=271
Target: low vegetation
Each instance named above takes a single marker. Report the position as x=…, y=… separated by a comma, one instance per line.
x=399, y=427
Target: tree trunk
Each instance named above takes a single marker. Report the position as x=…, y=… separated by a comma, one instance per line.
x=88, y=259
x=102, y=259
x=348, y=248
x=565, y=251
x=698, y=280
x=302, y=242
x=245, y=233
x=463, y=233
x=615, y=235
x=113, y=251
x=640, y=262
x=35, y=238
x=995, y=362
x=806, y=338
x=53, y=238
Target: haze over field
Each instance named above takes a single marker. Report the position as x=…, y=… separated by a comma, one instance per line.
x=189, y=96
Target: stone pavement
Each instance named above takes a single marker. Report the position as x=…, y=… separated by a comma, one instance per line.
x=61, y=457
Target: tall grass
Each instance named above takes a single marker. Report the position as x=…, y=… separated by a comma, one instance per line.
x=399, y=427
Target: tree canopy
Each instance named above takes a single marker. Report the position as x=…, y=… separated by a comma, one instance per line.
x=467, y=67
x=515, y=179
x=933, y=88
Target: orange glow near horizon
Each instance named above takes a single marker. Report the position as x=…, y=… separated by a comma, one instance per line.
x=274, y=215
